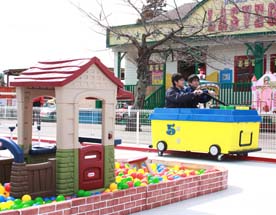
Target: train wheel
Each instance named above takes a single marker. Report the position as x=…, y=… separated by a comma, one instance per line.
x=161, y=147
x=214, y=150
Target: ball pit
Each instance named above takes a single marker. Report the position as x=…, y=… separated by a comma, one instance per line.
x=126, y=176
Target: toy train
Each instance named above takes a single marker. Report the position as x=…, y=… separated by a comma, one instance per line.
x=214, y=131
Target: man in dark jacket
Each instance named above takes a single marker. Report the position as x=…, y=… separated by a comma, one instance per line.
x=202, y=95
x=176, y=97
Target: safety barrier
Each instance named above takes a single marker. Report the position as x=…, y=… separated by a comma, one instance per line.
x=132, y=126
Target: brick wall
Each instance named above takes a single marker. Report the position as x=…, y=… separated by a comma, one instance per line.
x=135, y=199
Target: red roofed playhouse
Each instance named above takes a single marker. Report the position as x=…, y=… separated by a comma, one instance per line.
x=74, y=166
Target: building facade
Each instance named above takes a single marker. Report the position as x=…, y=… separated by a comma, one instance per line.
x=237, y=41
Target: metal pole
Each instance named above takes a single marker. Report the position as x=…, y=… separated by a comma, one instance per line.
x=137, y=127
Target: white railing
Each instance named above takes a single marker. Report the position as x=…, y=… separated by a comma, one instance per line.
x=132, y=126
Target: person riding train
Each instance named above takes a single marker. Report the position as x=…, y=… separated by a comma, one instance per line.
x=179, y=97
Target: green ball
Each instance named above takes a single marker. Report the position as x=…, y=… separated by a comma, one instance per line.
x=80, y=193
x=60, y=198
x=17, y=201
x=87, y=193
x=124, y=180
x=48, y=201
x=16, y=206
x=125, y=186
x=26, y=204
x=137, y=183
x=30, y=202
x=38, y=200
x=121, y=174
x=155, y=180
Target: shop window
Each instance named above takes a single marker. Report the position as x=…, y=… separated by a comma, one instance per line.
x=244, y=68
x=156, y=72
x=273, y=63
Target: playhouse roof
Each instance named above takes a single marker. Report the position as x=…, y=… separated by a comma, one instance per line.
x=269, y=75
x=60, y=73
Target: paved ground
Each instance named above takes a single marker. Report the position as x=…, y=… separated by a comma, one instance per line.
x=251, y=189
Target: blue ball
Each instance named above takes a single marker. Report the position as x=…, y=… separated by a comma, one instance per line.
x=2, y=198
x=10, y=198
x=176, y=177
x=52, y=198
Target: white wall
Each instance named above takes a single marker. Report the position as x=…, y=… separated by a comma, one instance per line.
x=171, y=67
x=130, y=72
x=221, y=57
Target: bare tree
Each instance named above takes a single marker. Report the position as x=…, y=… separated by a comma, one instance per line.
x=165, y=39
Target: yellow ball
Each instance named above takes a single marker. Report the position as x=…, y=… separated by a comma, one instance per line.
x=26, y=198
x=107, y=191
x=143, y=184
x=113, y=186
x=130, y=171
x=2, y=189
x=136, y=179
x=118, y=179
x=141, y=171
x=117, y=165
x=176, y=167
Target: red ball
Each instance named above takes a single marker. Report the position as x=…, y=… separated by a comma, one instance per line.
x=7, y=187
x=130, y=183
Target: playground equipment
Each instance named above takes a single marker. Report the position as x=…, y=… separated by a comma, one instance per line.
x=217, y=132
x=68, y=81
x=264, y=93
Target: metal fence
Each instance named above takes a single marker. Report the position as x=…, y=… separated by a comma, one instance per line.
x=132, y=126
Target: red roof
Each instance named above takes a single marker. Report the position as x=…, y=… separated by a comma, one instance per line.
x=60, y=73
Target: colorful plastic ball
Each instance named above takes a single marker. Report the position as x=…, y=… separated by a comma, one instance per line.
x=113, y=186
x=80, y=193
x=48, y=201
x=87, y=193
x=7, y=187
x=2, y=198
x=10, y=198
x=60, y=198
x=52, y=198
x=176, y=177
x=26, y=198
x=17, y=201
x=155, y=180
x=16, y=206
x=38, y=200
x=137, y=183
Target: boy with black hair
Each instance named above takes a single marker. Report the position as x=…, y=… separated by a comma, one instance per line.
x=202, y=95
x=176, y=97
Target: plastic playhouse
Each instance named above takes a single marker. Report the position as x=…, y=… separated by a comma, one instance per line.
x=213, y=131
x=69, y=82
x=264, y=93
